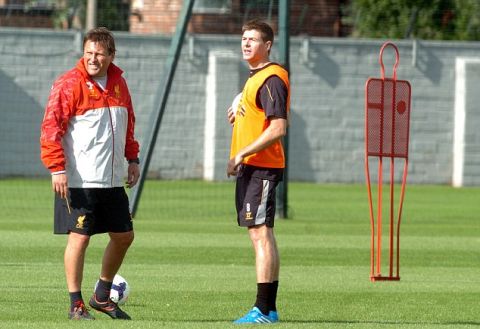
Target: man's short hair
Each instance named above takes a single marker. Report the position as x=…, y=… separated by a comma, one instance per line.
x=103, y=36
x=256, y=24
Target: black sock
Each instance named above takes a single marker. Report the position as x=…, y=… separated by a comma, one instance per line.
x=75, y=299
x=273, y=296
x=102, y=292
x=262, y=301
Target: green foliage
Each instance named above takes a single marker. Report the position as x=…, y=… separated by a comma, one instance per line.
x=467, y=22
x=113, y=14
x=65, y=12
x=436, y=19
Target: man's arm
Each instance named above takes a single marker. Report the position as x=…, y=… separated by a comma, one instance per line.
x=53, y=128
x=132, y=147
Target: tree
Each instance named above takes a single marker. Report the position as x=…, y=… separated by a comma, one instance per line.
x=436, y=19
x=467, y=20
x=113, y=14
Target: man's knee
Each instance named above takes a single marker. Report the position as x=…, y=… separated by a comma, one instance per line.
x=124, y=239
x=78, y=241
x=260, y=233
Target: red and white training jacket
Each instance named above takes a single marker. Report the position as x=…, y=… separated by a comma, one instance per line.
x=88, y=132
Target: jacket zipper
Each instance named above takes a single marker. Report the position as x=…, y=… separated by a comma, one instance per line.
x=113, y=142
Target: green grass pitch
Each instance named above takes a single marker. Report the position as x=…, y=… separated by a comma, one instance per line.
x=191, y=267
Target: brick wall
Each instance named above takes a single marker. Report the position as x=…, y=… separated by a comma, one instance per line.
x=26, y=21
x=17, y=16
x=312, y=17
x=155, y=17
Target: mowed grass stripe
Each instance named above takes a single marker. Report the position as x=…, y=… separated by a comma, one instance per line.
x=238, y=238
x=202, y=249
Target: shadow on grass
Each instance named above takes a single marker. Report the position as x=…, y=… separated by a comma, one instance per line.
x=340, y=322
x=392, y=323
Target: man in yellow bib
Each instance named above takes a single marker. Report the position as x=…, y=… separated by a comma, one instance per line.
x=258, y=161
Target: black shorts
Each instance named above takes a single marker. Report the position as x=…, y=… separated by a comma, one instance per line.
x=255, y=195
x=93, y=210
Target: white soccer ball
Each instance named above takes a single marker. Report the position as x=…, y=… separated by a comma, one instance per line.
x=236, y=103
x=120, y=290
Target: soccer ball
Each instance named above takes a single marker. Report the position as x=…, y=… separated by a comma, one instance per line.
x=120, y=290
x=236, y=103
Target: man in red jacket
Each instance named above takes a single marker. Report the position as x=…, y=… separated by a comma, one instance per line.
x=87, y=138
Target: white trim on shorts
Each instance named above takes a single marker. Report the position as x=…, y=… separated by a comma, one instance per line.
x=262, y=207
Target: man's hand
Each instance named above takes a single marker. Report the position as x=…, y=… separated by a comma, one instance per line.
x=60, y=185
x=133, y=174
x=230, y=115
x=232, y=166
